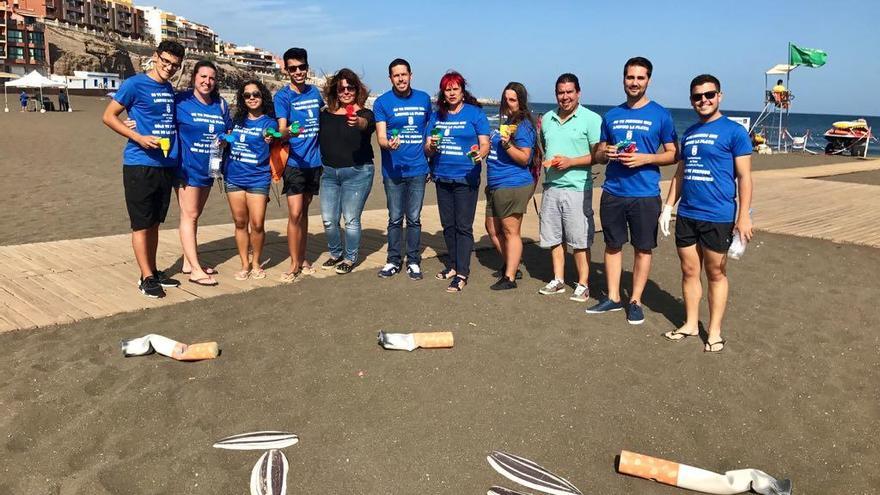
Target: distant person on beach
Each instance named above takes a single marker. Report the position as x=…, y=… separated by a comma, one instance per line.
x=248, y=175
x=715, y=168
x=63, y=102
x=23, y=99
x=510, y=184
x=347, y=154
x=568, y=133
x=402, y=116
x=457, y=153
x=630, y=203
x=780, y=94
x=149, y=159
x=297, y=106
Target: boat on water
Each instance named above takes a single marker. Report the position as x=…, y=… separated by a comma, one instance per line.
x=848, y=137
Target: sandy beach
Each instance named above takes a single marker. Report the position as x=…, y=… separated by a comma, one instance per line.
x=793, y=394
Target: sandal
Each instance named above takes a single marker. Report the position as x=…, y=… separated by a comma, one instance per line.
x=289, y=277
x=258, y=274
x=710, y=346
x=242, y=275
x=446, y=274
x=675, y=335
x=457, y=284
x=204, y=281
x=208, y=271
x=307, y=270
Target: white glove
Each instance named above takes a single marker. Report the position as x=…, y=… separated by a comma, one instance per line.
x=665, y=218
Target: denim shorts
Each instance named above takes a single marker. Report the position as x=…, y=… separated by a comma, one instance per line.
x=264, y=190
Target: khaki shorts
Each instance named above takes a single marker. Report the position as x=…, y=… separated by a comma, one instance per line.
x=567, y=216
x=508, y=201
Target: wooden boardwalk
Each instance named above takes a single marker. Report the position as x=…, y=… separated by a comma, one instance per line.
x=48, y=283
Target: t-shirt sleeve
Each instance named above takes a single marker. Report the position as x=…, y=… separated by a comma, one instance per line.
x=740, y=142
x=594, y=130
x=379, y=111
x=371, y=119
x=605, y=133
x=481, y=123
x=227, y=119
x=667, y=129
x=282, y=109
x=525, y=135
x=126, y=93
x=432, y=121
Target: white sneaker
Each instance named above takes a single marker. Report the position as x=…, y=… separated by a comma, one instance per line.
x=554, y=287
x=581, y=293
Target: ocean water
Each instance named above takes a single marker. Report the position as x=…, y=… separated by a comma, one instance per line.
x=796, y=123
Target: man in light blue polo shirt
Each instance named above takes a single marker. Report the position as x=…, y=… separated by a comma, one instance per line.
x=568, y=133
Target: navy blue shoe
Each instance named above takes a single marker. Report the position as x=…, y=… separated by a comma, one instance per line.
x=389, y=270
x=604, y=307
x=635, y=315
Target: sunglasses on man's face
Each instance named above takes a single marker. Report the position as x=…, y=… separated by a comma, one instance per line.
x=710, y=95
x=167, y=63
x=296, y=68
x=255, y=95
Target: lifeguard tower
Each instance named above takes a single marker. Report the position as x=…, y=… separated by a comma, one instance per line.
x=777, y=103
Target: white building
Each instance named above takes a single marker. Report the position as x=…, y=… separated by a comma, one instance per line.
x=90, y=80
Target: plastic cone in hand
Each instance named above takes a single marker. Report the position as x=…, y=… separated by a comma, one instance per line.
x=165, y=146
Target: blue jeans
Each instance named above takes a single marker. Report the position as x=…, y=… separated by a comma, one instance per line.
x=457, y=203
x=405, y=197
x=344, y=192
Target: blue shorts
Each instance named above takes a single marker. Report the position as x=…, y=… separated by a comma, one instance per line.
x=264, y=190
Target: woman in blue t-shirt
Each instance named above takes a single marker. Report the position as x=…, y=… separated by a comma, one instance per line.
x=248, y=174
x=510, y=180
x=458, y=145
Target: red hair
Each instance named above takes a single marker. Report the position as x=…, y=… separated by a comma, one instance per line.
x=448, y=79
x=451, y=78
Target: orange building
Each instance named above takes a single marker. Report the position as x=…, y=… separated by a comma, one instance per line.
x=23, y=45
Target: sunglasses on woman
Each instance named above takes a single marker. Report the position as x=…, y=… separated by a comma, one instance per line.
x=255, y=95
x=346, y=89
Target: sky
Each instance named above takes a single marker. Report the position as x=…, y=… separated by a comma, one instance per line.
x=493, y=42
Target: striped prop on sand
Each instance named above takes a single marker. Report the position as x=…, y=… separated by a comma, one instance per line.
x=500, y=490
x=269, y=476
x=700, y=480
x=258, y=440
x=529, y=474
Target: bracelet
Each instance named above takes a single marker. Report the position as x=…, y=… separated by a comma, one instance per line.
x=506, y=145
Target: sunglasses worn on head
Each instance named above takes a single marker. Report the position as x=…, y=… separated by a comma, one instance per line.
x=295, y=68
x=255, y=94
x=710, y=95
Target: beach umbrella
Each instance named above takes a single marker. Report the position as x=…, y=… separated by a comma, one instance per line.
x=33, y=80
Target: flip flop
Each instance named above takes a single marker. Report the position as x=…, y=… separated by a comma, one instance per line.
x=458, y=283
x=307, y=270
x=675, y=335
x=446, y=274
x=201, y=281
x=709, y=345
x=258, y=274
x=242, y=275
x=207, y=270
x=289, y=277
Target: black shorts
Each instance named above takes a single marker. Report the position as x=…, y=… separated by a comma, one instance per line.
x=710, y=235
x=147, y=194
x=302, y=180
x=624, y=217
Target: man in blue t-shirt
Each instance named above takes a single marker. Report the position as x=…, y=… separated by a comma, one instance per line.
x=148, y=160
x=638, y=137
x=402, y=116
x=297, y=108
x=715, y=168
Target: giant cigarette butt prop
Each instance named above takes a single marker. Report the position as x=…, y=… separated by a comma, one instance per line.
x=171, y=348
x=412, y=341
x=691, y=478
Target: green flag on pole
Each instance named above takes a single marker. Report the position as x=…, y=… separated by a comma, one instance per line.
x=809, y=57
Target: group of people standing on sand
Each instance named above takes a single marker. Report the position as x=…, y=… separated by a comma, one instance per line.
x=328, y=134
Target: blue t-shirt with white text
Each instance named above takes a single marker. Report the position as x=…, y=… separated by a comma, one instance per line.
x=459, y=133
x=650, y=127
x=708, y=190
x=501, y=171
x=151, y=105
x=198, y=126
x=248, y=164
x=409, y=116
x=304, y=108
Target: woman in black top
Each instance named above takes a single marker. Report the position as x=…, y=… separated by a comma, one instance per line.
x=346, y=129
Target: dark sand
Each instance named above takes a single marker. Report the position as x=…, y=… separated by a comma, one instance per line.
x=871, y=178
x=63, y=174
x=794, y=394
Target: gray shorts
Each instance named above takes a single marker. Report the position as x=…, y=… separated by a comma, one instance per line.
x=567, y=215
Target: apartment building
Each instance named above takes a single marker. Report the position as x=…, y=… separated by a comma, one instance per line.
x=23, y=45
x=164, y=25
x=251, y=58
x=118, y=16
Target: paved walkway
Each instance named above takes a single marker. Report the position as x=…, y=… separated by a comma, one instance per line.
x=49, y=283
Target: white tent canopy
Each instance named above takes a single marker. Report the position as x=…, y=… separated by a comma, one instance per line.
x=32, y=80
x=780, y=69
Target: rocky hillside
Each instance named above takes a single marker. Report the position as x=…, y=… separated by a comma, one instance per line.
x=72, y=50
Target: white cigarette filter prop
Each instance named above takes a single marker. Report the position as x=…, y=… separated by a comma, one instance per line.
x=700, y=480
x=529, y=474
x=171, y=348
x=269, y=476
x=258, y=440
x=412, y=341
x=500, y=490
